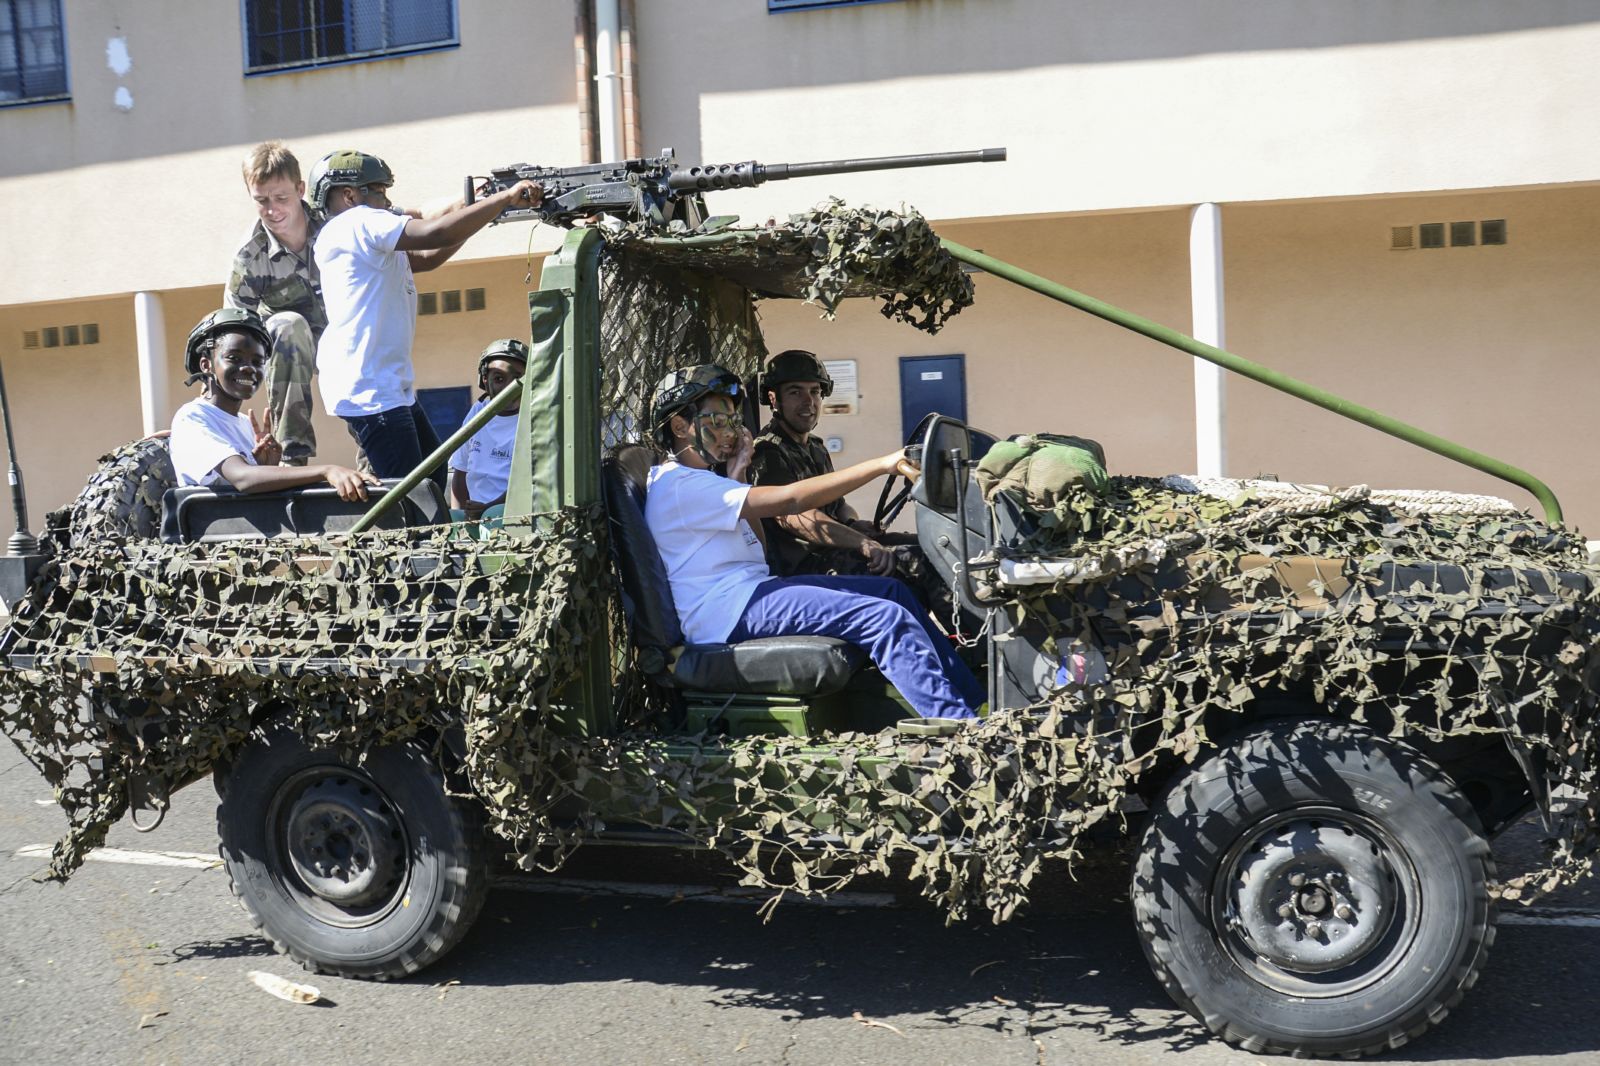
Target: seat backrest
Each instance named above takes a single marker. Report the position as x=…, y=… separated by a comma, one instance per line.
x=204, y=515
x=647, y=595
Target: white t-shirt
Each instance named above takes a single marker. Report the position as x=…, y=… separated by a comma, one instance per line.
x=203, y=435
x=364, y=356
x=713, y=558
x=486, y=457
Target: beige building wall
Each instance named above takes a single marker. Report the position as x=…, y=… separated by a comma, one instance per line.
x=1318, y=125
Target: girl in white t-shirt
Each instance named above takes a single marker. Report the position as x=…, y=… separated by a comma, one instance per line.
x=480, y=469
x=702, y=515
x=213, y=441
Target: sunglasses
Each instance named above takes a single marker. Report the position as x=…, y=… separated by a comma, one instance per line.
x=720, y=421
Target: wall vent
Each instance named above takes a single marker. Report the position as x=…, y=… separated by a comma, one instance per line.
x=30, y=338
x=427, y=303
x=450, y=301
x=91, y=333
x=1463, y=234
x=1401, y=238
x=1494, y=230
x=51, y=336
x=59, y=336
x=1431, y=235
x=477, y=299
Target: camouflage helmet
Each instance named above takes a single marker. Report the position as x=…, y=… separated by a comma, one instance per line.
x=796, y=364
x=684, y=388
x=504, y=348
x=226, y=320
x=349, y=169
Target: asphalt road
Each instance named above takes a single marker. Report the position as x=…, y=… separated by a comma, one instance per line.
x=148, y=963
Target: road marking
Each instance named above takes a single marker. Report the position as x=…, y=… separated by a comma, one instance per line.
x=566, y=886
x=192, y=860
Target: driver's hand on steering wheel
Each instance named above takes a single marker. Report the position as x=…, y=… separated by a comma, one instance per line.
x=880, y=560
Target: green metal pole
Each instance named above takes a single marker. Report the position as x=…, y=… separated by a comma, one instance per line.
x=439, y=455
x=1266, y=376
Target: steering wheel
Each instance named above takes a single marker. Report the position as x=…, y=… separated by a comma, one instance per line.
x=896, y=493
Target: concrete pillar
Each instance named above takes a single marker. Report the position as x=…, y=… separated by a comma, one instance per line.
x=150, y=333
x=608, y=78
x=1205, y=287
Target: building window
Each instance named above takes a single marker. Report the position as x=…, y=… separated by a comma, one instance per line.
x=796, y=5
x=33, y=57
x=288, y=34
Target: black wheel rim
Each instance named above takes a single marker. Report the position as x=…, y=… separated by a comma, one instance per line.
x=337, y=846
x=1316, y=902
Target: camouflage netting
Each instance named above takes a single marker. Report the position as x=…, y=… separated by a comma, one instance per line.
x=141, y=659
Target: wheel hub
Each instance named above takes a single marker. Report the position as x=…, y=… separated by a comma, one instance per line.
x=1313, y=895
x=343, y=842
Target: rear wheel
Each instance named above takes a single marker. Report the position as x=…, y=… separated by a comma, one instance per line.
x=372, y=872
x=1314, y=890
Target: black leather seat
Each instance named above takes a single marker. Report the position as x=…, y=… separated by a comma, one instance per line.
x=778, y=666
x=200, y=514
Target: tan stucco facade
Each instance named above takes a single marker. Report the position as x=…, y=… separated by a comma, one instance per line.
x=1316, y=126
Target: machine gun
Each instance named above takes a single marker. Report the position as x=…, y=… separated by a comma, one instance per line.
x=660, y=191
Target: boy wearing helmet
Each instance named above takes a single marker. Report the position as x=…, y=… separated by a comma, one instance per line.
x=703, y=516
x=480, y=469
x=830, y=539
x=212, y=440
x=366, y=255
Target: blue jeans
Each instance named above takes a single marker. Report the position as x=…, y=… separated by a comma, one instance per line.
x=881, y=616
x=396, y=440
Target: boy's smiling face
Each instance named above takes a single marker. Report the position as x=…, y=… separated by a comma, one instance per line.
x=237, y=363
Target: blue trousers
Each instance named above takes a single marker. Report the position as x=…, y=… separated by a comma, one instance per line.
x=395, y=440
x=881, y=616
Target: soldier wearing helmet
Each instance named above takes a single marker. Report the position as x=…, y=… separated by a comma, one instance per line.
x=275, y=276
x=213, y=441
x=367, y=255
x=831, y=539
x=702, y=515
x=480, y=470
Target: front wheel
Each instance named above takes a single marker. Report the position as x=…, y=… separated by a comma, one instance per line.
x=372, y=871
x=1314, y=890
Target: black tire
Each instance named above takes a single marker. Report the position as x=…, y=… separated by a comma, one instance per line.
x=122, y=500
x=373, y=872
x=1316, y=891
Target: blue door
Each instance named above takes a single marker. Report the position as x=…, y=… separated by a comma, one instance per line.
x=930, y=383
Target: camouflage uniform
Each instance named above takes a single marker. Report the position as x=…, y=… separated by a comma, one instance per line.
x=285, y=290
x=779, y=460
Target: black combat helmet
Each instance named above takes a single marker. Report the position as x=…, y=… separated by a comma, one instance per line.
x=685, y=388
x=347, y=168
x=504, y=348
x=226, y=320
x=796, y=364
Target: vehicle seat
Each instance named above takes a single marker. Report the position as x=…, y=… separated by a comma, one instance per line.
x=199, y=514
x=787, y=666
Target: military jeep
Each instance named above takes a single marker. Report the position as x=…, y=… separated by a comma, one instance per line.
x=1306, y=708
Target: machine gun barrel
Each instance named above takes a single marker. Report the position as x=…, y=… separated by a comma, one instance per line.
x=710, y=177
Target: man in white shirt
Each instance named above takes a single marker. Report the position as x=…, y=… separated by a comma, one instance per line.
x=703, y=522
x=213, y=441
x=480, y=470
x=366, y=255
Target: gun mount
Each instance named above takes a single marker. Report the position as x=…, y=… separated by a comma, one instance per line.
x=660, y=191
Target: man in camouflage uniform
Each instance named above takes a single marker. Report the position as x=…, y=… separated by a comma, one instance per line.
x=275, y=276
x=831, y=539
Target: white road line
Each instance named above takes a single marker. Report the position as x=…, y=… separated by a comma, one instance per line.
x=562, y=886
x=192, y=860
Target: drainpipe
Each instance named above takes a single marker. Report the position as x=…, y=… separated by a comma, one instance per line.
x=630, y=83
x=1205, y=287
x=150, y=335
x=607, y=78
x=583, y=66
